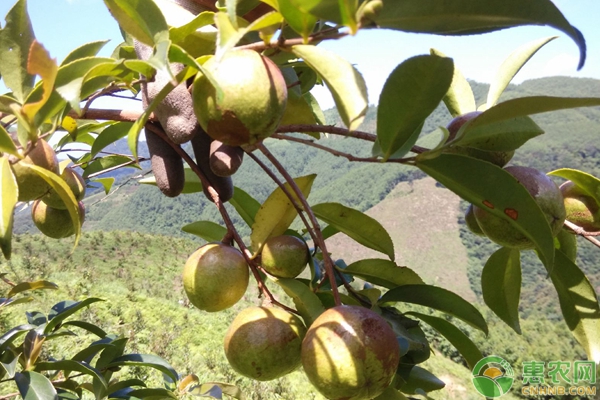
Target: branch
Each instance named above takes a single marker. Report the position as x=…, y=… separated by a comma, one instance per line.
x=335, y=130
x=589, y=236
x=278, y=44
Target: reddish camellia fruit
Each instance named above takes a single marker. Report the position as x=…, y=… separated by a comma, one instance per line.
x=546, y=194
x=351, y=353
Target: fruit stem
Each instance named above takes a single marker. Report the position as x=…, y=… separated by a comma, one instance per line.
x=589, y=236
x=320, y=242
x=224, y=214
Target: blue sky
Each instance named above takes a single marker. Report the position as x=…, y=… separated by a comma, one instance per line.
x=62, y=25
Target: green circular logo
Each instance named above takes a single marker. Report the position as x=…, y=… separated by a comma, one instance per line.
x=493, y=376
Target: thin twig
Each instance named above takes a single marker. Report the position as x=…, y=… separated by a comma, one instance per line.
x=95, y=174
x=582, y=232
x=319, y=236
x=335, y=130
x=261, y=46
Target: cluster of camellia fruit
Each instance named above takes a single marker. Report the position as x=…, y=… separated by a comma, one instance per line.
x=48, y=210
x=567, y=202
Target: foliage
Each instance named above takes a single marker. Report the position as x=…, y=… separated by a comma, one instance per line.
x=60, y=103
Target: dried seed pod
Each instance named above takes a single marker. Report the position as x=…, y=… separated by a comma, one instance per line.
x=225, y=160
x=167, y=165
x=223, y=185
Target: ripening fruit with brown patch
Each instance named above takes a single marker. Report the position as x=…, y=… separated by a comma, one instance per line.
x=546, y=194
x=284, y=256
x=351, y=353
x=31, y=185
x=582, y=209
x=53, y=222
x=215, y=277
x=254, y=98
x=264, y=343
x=74, y=181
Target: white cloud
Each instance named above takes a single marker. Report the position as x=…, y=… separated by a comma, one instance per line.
x=562, y=64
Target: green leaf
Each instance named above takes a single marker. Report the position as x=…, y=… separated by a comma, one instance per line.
x=301, y=22
x=34, y=386
x=87, y=326
x=501, y=285
x=412, y=91
x=480, y=183
x=105, y=182
x=359, y=226
x=345, y=83
x=306, y=301
x=145, y=360
x=152, y=394
x=579, y=304
x=245, y=205
x=10, y=194
x=207, y=230
x=108, y=163
x=566, y=242
x=438, y=299
x=420, y=379
x=179, y=34
x=4, y=302
x=277, y=213
x=63, y=310
x=6, y=143
x=23, y=286
x=475, y=17
x=228, y=34
x=223, y=388
x=511, y=66
x=298, y=112
x=503, y=135
x=110, y=135
x=15, y=40
x=584, y=181
x=339, y=11
x=87, y=50
x=70, y=365
x=383, y=273
x=316, y=108
x=90, y=352
x=141, y=19
x=125, y=384
x=459, y=98
x=455, y=336
x=390, y=393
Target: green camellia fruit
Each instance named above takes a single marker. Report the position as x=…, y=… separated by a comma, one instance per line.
x=264, y=343
x=500, y=158
x=284, y=256
x=53, y=222
x=351, y=353
x=582, y=209
x=254, y=98
x=546, y=194
x=31, y=185
x=215, y=277
x=471, y=221
x=75, y=183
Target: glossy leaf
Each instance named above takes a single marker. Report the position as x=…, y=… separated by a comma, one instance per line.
x=141, y=19
x=63, y=310
x=6, y=143
x=228, y=35
x=438, y=299
x=125, y=384
x=224, y=388
x=421, y=380
x=459, y=98
x=4, y=302
x=339, y=11
x=501, y=285
x=316, y=108
x=566, y=242
x=245, y=205
x=110, y=135
x=108, y=163
x=105, y=182
x=345, y=83
x=8, y=362
x=475, y=17
x=511, y=66
x=23, y=286
x=40, y=63
x=277, y=213
x=70, y=365
x=15, y=40
x=301, y=22
x=87, y=326
x=455, y=336
x=34, y=386
x=9, y=198
x=145, y=360
x=390, y=393
x=91, y=351
x=578, y=303
x=8, y=337
x=411, y=92
x=298, y=112
x=87, y=50
x=383, y=273
x=480, y=183
x=306, y=301
x=152, y=394
x=357, y=225
x=207, y=230
x=180, y=33
x=584, y=181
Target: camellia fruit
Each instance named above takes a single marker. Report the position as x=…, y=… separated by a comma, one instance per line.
x=546, y=194
x=75, y=183
x=499, y=158
x=31, y=185
x=53, y=222
x=264, y=343
x=254, y=98
x=215, y=277
x=351, y=353
x=284, y=256
x=582, y=209
x=471, y=221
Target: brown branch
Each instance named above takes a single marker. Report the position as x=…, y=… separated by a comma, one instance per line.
x=224, y=214
x=262, y=46
x=112, y=115
x=334, y=130
x=329, y=268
